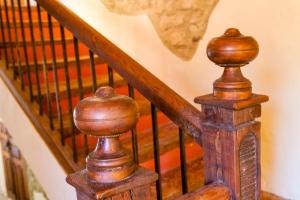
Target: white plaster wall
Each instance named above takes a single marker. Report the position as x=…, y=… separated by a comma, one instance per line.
x=3, y=190
x=39, y=158
x=276, y=26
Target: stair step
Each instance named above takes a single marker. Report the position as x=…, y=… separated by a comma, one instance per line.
x=168, y=140
x=60, y=63
x=87, y=85
x=37, y=43
x=171, y=172
x=26, y=24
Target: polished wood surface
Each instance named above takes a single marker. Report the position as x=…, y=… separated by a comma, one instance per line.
x=231, y=136
x=138, y=185
x=107, y=115
x=232, y=51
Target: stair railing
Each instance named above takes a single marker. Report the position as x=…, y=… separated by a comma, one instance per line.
x=226, y=128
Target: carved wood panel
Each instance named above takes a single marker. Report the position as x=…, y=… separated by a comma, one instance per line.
x=248, y=167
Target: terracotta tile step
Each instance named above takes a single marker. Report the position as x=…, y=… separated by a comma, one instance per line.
x=59, y=63
x=87, y=86
x=35, y=23
x=38, y=42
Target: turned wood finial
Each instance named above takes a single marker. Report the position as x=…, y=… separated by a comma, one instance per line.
x=107, y=115
x=232, y=51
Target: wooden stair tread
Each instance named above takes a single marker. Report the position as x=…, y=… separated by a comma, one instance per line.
x=26, y=24
x=87, y=84
x=171, y=172
x=37, y=42
x=60, y=63
x=168, y=140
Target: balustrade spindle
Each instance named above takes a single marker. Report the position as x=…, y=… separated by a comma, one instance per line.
x=111, y=81
x=80, y=87
x=45, y=68
x=134, y=138
x=4, y=47
x=183, y=168
x=17, y=46
x=56, y=81
x=35, y=61
x=10, y=41
x=25, y=51
x=93, y=70
x=68, y=91
x=156, y=150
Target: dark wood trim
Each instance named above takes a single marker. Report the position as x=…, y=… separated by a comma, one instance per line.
x=175, y=107
x=62, y=154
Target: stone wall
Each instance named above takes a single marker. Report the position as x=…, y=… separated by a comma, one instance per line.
x=180, y=24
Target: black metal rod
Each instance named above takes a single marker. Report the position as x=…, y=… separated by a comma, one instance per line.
x=93, y=70
x=134, y=137
x=78, y=67
x=3, y=38
x=45, y=68
x=12, y=57
x=184, y=183
x=56, y=83
x=110, y=76
x=35, y=61
x=25, y=51
x=80, y=87
x=16, y=38
x=69, y=94
x=156, y=150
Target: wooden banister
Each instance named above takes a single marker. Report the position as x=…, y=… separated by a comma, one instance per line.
x=175, y=107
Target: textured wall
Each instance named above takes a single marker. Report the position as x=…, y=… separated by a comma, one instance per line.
x=180, y=24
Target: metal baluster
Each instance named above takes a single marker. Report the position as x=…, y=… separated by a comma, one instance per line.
x=56, y=83
x=69, y=95
x=10, y=42
x=3, y=38
x=93, y=70
x=25, y=51
x=17, y=46
x=35, y=62
x=156, y=150
x=133, y=131
x=45, y=67
x=80, y=88
x=184, y=184
x=110, y=77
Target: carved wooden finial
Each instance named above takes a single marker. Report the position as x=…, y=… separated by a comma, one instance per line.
x=232, y=51
x=107, y=115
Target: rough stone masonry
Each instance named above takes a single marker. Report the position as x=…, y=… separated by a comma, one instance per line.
x=180, y=24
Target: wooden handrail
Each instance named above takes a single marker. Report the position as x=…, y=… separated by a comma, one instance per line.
x=175, y=107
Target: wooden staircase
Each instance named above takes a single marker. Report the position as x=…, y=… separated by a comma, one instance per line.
x=168, y=132
x=56, y=90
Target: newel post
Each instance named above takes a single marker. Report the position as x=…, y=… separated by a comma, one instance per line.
x=110, y=170
x=231, y=136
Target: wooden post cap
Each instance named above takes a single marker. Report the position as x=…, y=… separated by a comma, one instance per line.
x=232, y=50
x=107, y=115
